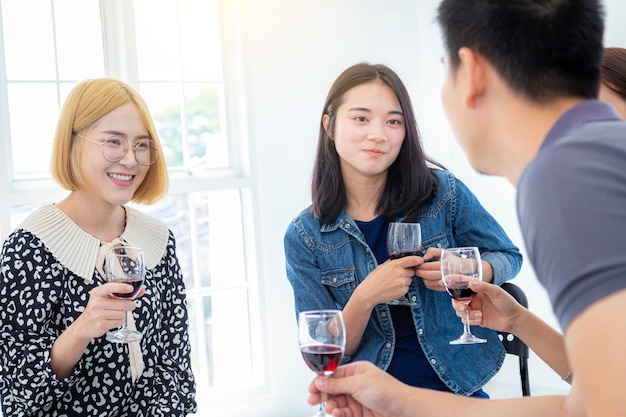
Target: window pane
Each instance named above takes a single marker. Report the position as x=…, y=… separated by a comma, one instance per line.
x=200, y=40
x=174, y=211
x=206, y=136
x=33, y=123
x=187, y=35
x=29, y=53
x=230, y=339
x=165, y=103
x=221, y=346
x=79, y=40
x=209, y=232
x=226, y=238
x=158, y=40
x=189, y=120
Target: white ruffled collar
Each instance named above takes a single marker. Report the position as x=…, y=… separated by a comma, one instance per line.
x=77, y=250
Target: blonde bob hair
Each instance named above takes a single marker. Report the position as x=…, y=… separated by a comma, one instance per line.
x=89, y=101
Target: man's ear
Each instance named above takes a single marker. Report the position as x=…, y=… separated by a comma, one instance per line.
x=474, y=65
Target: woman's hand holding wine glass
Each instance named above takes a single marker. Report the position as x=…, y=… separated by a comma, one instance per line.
x=322, y=338
x=125, y=264
x=460, y=266
x=403, y=239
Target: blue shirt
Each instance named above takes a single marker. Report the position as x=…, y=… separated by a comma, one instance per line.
x=571, y=204
x=326, y=262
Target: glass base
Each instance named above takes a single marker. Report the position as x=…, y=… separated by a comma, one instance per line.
x=321, y=412
x=124, y=336
x=401, y=301
x=467, y=339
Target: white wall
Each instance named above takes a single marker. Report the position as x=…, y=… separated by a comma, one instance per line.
x=293, y=50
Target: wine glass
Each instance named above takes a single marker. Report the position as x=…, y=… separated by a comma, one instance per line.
x=460, y=266
x=125, y=264
x=403, y=239
x=322, y=337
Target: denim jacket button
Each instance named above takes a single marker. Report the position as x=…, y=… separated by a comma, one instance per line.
x=439, y=245
x=383, y=314
x=335, y=280
x=413, y=298
x=347, y=225
x=387, y=345
x=433, y=361
x=420, y=331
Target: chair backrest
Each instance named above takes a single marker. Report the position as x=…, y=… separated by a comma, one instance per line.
x=512, y=344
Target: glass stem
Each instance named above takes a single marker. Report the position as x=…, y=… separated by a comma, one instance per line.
x=466, y=325
x=321, y=412
x=125, y=325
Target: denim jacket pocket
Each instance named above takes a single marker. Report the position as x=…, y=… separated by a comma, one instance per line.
x=338, y=278
x=340, y=283
x=439, y=242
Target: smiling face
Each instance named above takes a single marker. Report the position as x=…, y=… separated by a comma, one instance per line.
x=368, y=131
x=113, y=183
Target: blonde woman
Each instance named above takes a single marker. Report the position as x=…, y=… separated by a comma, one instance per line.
x=57, y=305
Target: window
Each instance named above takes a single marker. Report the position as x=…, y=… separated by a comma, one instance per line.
x=172, y=52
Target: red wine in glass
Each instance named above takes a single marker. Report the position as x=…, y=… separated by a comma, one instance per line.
x=403, y=239
x=322, y=339
x=322, y=359
x=397, y=255
x=460, y=266
x=460, y=291
x=125, y=263
x=135, y=282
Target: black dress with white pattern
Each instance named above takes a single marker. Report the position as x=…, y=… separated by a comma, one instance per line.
x=40, y=298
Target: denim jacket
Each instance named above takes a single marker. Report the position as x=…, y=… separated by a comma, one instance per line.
x=325, y=263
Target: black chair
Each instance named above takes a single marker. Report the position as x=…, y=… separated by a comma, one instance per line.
x=512, y=344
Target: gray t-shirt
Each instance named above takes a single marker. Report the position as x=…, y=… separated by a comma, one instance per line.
x=571, y=205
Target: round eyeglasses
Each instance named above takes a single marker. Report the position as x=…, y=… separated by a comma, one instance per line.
x=115, y=148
